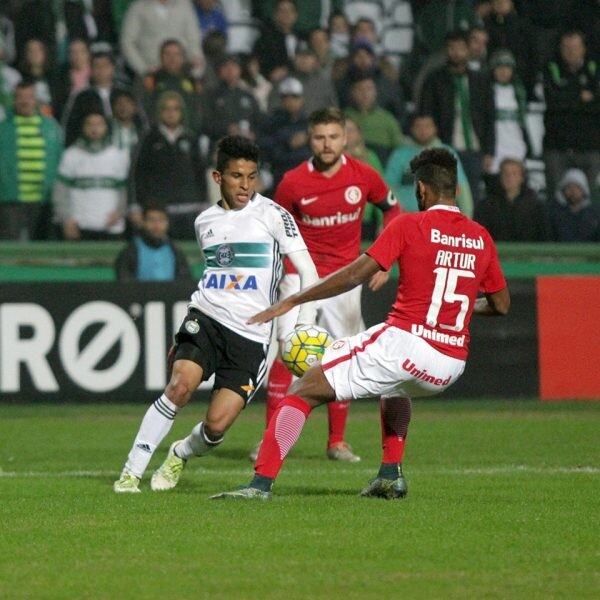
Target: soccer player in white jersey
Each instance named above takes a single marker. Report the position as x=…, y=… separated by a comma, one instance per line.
x=445, y=260
x=243, y=238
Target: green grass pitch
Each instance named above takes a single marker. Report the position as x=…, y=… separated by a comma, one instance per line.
x=503, y=503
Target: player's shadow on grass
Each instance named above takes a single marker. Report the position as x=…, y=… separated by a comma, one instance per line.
x=291, y=490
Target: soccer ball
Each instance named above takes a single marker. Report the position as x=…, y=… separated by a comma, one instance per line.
x=304, y=347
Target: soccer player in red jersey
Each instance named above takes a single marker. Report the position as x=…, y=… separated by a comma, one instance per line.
x=327, y=195
x=445, y=260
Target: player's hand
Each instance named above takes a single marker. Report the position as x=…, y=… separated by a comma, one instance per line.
x=378, y=280
x=278, y=309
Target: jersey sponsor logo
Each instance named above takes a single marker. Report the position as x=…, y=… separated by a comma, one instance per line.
x=409, y=366
x=337, y=345
x=289, y=224
x=352, y=195
x=208, y=234
x=457, y=341
x=230, y=281
x=224, y=255
x=457, y=241
x=338, y=219
x=192, y=327
x=306, y=201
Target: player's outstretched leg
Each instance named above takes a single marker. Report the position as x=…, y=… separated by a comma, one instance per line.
x=156, y=424
x=198, y=443
x=280, y=379
x=337, y=447
x=390, y=482
x=281, y=434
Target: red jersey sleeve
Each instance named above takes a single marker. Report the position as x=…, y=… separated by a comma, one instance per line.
x=388, y=247
x=493, y=280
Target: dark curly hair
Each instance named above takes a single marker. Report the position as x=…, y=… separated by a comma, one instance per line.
x=234, y=147
x=436, y=167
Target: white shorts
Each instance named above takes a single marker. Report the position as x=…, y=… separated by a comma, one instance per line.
x=389, y=362
x=340, y=315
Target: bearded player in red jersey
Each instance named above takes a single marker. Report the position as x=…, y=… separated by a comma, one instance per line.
x=445, y=260
x=327, y=195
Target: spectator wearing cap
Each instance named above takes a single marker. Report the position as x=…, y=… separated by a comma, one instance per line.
x=284, y=135
x=381, y=128
x=229, y=109
x=276, y=46
x=173, y=74
x=510, y=101
x=573, y=217
x=462, y=104
x=509, y=31
x=319, y=91
x=363, y=62
x=148, y=23
x=95, y=98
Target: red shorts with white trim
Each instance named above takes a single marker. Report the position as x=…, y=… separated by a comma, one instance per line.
x=389, y=362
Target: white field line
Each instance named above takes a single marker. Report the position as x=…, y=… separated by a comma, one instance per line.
x=492, y=470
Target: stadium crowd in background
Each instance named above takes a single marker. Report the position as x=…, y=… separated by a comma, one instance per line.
x=523, y=77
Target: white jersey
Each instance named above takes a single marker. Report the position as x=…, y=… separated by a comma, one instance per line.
x=96, y=182
x=243, y=262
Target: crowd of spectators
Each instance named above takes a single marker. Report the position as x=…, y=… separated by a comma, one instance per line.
x=112, y=108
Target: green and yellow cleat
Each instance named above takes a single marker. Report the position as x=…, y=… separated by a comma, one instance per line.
x=389, y=489
x=243, y=493
x=166, y=477
x=127, y=484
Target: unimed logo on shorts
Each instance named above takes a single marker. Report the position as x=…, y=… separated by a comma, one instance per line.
x=96, y=346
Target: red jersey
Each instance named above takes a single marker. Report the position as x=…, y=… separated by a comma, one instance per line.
x=445, y=259
x=329, y=210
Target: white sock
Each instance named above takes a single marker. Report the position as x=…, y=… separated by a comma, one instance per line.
x=156, y=424
x=196, y=444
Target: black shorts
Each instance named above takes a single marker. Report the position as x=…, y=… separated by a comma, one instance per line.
x=239, y=364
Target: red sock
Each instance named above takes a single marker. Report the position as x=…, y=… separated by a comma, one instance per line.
x=281, y=434
x=338, y=415
x=395, y=418
x=280, y=379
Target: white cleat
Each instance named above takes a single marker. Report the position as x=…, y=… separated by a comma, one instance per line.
x=166, y=477
x=342, y=452
x=127, y=484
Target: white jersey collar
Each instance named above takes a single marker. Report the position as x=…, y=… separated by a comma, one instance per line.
x=444, y=207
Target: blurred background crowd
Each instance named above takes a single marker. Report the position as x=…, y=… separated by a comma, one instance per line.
x=111, y=109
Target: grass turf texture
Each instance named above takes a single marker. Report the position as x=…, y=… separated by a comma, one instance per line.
x=503, y=503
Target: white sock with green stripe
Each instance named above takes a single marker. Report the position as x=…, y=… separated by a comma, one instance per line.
x=156, y=424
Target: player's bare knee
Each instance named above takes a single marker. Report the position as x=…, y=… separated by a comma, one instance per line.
x=216, y=427
x=179, y=390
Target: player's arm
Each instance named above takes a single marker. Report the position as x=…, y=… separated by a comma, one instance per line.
x=493, y=305
x=307, y=271
x=357, y=272
x=390, y=209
